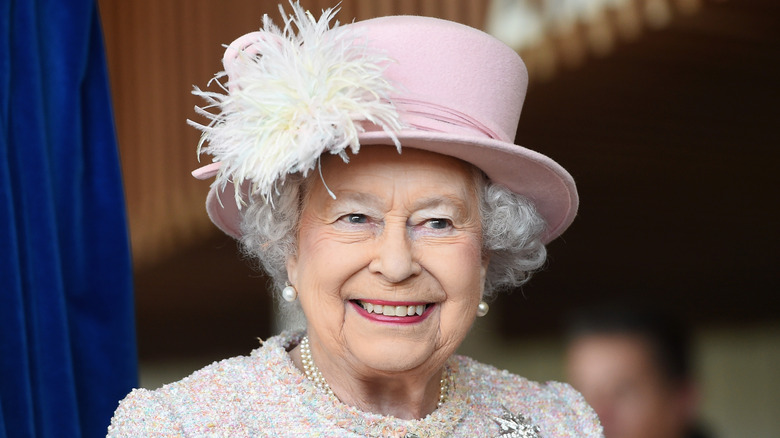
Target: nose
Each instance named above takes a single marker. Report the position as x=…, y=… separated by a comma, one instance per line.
x=394, y=258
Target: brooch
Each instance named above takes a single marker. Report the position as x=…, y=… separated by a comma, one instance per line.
x=516, y=426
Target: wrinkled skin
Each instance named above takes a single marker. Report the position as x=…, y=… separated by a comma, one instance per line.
x=403, y=230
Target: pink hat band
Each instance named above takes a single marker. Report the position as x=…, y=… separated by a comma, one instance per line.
x=428, y=116
x=459, y=92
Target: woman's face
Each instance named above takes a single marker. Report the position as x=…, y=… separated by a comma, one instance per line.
x=403, y=235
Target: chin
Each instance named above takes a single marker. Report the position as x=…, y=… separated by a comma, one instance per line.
x=392, y=354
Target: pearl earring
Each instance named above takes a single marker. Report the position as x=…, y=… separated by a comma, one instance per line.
x=289, y=294
x=482, y=309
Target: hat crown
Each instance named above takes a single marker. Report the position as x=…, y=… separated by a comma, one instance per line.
x=442, y=86
x=450, y=77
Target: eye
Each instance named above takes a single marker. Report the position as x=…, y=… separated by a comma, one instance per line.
x=439, y=224
x=355, y=218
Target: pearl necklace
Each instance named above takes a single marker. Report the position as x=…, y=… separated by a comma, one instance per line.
x=315, y=376
x=310, y=369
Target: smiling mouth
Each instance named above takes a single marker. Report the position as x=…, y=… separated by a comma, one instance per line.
x=390, y=310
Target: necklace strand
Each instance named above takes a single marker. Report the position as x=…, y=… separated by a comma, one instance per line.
x=315, y=376
x=310, y=369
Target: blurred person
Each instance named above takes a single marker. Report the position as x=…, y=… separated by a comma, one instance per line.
x=634, y=368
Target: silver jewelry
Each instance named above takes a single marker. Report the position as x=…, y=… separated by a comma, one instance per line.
x=289, y=294
x=516, y=426
x=315, y=376
x=482, y=309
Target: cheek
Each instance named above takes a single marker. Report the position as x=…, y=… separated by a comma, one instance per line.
x=459, y=267
x=325, y=262
x=320, y=273
x=460, y=272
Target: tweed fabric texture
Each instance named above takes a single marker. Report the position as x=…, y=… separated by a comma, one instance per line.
x=265, y=395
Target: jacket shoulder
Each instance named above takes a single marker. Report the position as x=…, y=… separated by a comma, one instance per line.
x=556, y=408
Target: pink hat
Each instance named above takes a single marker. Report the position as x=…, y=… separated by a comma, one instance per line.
x=457, y=91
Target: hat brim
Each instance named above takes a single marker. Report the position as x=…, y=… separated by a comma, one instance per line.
x=524, y=171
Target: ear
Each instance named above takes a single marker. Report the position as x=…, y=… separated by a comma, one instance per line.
x=292, y=269
x=484, y=267
x=483, y=270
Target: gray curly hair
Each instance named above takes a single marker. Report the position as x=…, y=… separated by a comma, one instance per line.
x=512, y=230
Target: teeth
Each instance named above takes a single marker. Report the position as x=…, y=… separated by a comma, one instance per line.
x=393, y=310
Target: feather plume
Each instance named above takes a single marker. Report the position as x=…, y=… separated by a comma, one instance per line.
x=292, y=97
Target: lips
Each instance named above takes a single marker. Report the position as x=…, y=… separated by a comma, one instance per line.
x=387, y=311
x=392, y=309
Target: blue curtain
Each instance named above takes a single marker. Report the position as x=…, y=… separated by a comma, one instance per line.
x=67, y=337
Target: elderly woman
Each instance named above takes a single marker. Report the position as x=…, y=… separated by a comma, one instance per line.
x=370, y=169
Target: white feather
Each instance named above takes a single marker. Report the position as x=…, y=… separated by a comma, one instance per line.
x=307, y=93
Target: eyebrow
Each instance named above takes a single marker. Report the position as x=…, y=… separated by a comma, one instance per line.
x=428, y=202
x=461, y=211
x=436, y=201
x=363, y=198
x=371, y=201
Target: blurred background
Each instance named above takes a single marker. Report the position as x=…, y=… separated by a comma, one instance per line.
x=664, y=111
